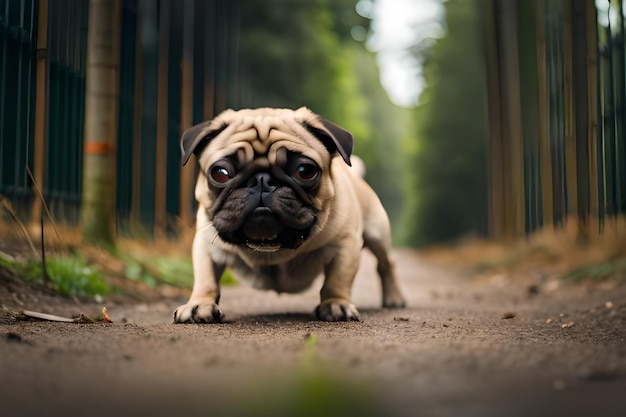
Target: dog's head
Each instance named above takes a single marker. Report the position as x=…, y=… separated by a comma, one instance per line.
x=265, y=177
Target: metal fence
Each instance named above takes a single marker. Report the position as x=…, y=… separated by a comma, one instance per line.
x=175, y=55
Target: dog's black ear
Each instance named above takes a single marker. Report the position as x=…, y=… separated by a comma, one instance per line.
x=335, y=138
x=197, y=137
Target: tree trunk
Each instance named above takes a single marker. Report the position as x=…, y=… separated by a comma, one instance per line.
x=101, y=114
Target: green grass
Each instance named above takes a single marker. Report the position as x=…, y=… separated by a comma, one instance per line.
x=69, y=275
x=611, y=269
x=176, y=271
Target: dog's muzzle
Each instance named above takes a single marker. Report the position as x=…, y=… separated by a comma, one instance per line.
x=273, y=216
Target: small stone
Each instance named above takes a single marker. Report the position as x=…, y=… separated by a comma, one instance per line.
x=14, y=338
x=508, y=315
x=608, y=305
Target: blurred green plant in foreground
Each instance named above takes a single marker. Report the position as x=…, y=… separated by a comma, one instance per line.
x=314, y=390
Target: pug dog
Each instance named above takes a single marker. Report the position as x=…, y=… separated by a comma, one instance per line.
x=279, y=206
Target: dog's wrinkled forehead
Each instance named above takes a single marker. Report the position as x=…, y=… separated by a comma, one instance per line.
x=254, y=132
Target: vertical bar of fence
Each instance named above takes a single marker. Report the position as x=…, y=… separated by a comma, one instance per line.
x=19, y=170
x=569, y=116
x=209, y=59
x=545, y=161
x=29, y=95
x=591, y=53
x=3, y=80
x=186, y=116
x=55, y=90
x=514, y=201
x=529, y=96
x=160, y=215
x=234, y=87
x=580, y=83
x=149, y=13
x=137, y=124
x=41, y=105
x=558, y=139
x=601, y=81
x=620, y=140
x=127, y=109
x=611, y=121
x=223, y=56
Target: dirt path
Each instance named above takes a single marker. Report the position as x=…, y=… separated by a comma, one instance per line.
x=450, y=353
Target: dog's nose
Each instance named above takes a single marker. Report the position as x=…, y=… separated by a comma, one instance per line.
x=262, y=182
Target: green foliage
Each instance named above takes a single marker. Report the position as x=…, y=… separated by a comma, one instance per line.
x=295, y=54
x=447, y=189
x=176, y=271
x=381, y=148
x=69, y=275
x=615, y=268
x=314, y=391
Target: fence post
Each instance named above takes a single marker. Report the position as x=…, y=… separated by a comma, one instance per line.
x=496, y=210
x=545, y=161
x=160, y=174
x=101, y=103
x=186, y=112
x=41, y=107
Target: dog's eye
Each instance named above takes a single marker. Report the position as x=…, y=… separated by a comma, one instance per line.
x=222, y=172
x=220, y=175
x=307, y=172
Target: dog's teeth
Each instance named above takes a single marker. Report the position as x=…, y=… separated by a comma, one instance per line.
x=263, y=247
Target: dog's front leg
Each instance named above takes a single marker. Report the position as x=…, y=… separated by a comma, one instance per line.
x=335, y=296
x=202, y=306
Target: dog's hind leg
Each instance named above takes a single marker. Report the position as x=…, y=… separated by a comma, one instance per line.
x=377, y=238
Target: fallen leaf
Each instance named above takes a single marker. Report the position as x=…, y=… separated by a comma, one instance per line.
x=105, y=316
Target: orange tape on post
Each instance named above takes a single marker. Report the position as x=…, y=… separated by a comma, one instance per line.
x=98, y=148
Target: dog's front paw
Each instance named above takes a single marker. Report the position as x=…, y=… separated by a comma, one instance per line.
x=336, y=310
x=198, y=311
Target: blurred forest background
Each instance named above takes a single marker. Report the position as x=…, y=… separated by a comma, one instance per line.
x=303, y=53
x=487, y=150
x=427, y=162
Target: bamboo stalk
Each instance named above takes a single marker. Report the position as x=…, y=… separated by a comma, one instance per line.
x=592, y=85
x=512, y=123
x=496, y=186
x=570, y=130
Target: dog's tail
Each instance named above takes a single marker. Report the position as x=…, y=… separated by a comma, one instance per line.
x=358, y=166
